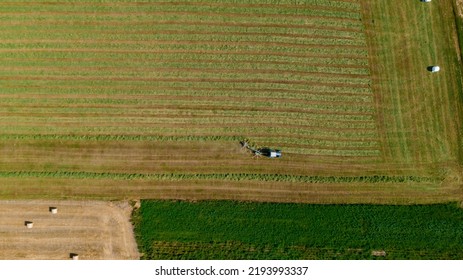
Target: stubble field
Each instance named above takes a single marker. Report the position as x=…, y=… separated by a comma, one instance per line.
x=92, y=230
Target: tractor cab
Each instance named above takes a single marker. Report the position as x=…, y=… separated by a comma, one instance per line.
x=270, y=153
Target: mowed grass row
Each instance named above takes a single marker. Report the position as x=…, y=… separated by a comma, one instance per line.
x=159, y=31
x=193, y=113
x=90, y=67
x=365, y=108
x=295, y=70
x=107, y=24
x=312, y=9
x=231, y=230
x=123, y=59
x=199, y=92
x=323, y=3
x=183, y=87
x=159, y=121
x=191, y=74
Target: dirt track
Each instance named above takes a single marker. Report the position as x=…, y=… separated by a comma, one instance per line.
x=93, y=230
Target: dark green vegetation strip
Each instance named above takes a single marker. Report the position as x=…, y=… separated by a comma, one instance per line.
x=227, y=176
x=232, y=230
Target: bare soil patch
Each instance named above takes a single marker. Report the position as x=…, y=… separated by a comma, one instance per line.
x=93, y=230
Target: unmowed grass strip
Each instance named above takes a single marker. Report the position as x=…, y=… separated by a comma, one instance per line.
x=257, y=132
x=237, y=230
x=87, y=137
x=227, y=177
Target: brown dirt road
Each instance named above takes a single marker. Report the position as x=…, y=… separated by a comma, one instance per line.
x=93, y=230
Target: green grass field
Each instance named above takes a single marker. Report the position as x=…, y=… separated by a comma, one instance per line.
x=125, y=99
x=233, y=230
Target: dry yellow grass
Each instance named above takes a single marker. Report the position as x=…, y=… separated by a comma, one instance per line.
x=93, y=230
x=460, y=7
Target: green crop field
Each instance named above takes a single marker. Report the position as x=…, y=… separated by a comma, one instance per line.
x=119, y=99
x=233, y=230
